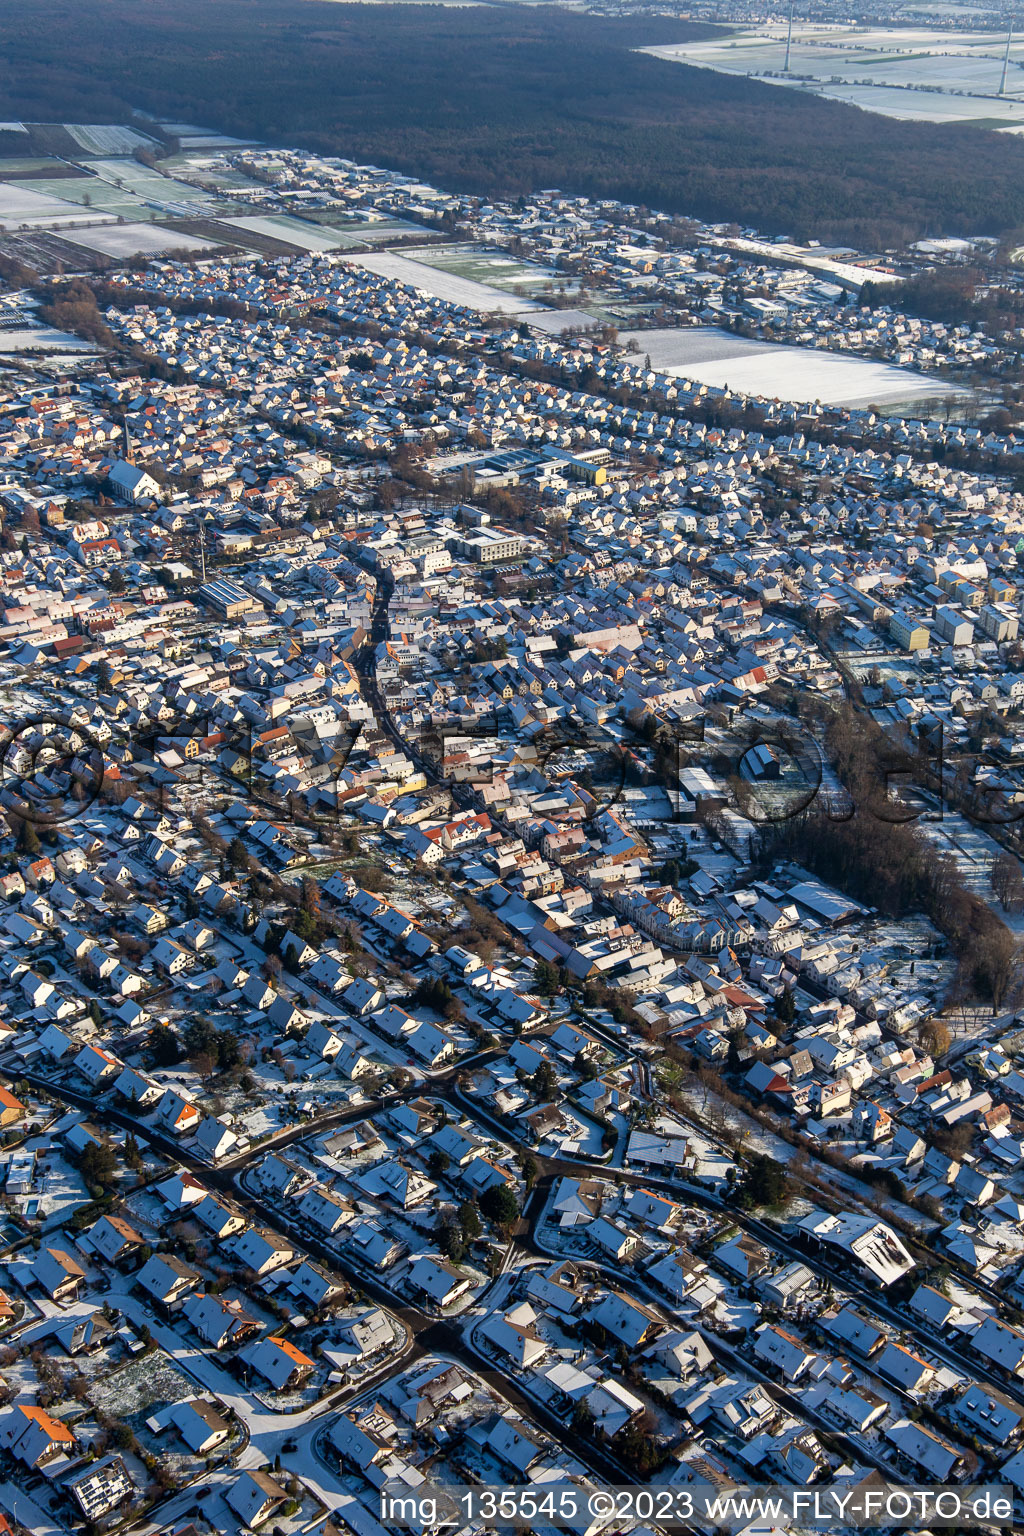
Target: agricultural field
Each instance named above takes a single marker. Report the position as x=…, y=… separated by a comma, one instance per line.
x=445, y=285
x=911, y=105
x=192, y=136
x=553, y=322
x=46, y=251
x=90, y=192
x=901, y=73
x=212, y=171
x=368, y=234
x=20, y=206
x=121, y=241
x=107, y=138
x=40, y=339
x=296, y=232
x=163, y=191
x=36, y=165
x=218, y=233
x=802, y=374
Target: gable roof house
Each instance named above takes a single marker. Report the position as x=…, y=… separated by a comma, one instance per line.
x=58, y=1273
x=254, y=1496
x=34, y=1436
x=437, y=1281
x=280, y=1363
x=262, y=1251
x=113, y=1238
x=217, y=1218
x=924, y=1449
x=317, y=1285
x=786, y=1353
x=516, y=1337
x=516, y=1449
x=219, y=1322
x=628, y=1321
x=200, y=1425
x=1001, y=1345
x=167, y=1278
x=214, y=1140
x=177, y=1113
x=325, y=1210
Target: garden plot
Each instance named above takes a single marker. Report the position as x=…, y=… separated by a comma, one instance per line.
x=146, y=1383
x=974, y=851
x=58, y=1190
x=297, y=232
x=107, y=138
x=20, y=207
x=123, y=240
x=445, y=285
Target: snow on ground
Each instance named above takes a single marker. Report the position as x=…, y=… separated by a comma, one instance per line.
x=158, y=190
x=308, y=237
x=481, y=264
x=42, y=337
x=27, y=1512
x=778, y=372
x=554, y=321
x=975, y=853
x=107, y=138
x=905, y=73
x=910, y=105
x=444, y=285
x=138, y=239
x=18, y=207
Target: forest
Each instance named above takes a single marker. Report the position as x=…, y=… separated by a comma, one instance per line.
x=962, y=295
x=504, y=100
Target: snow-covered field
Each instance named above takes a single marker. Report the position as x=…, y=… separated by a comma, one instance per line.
x=120, y=240
x=905, y=73
x=43, y=336
x=193, y=136
x=307, y=237
x=929, y=106
x=107, y=138
x=162, y=191
x=19, y=206
x=445, y=285
x=785, y=373
x=554, y=321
